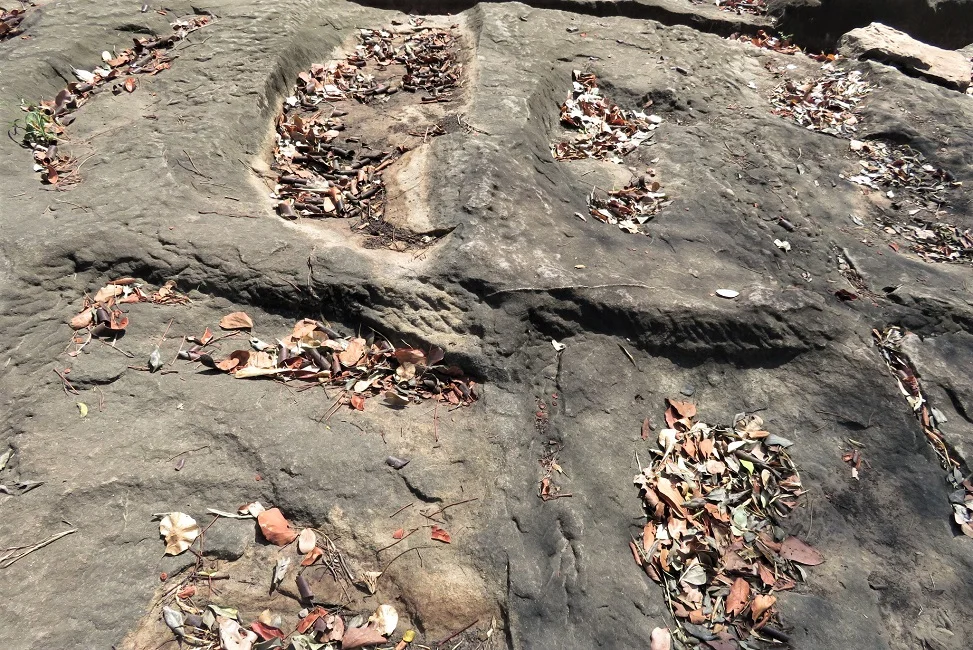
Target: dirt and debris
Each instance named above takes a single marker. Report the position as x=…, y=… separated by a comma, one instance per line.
x=360, y=367
x=44, y=123
x=198, y=614
x=918, y=190
x=101, y=315
x=958, y=476
x=10, y=20
x=855, y=458
x=608, y=132
x=718, y=500
x=328, y=165
x=753, y=7
x=827, y=104
x=631, y=207
x=767, y=41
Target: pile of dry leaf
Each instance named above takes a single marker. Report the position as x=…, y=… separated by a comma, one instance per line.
x=359, y=367
x=630, y=207
x=755, y=7
x=889, y=344
x=607, y=130
x=767, y=42
x=148, y=56
x=905, y=177
x=717, y=499
x=826, y=104
x=10, y=20
x=320, y=627
x=320, y=173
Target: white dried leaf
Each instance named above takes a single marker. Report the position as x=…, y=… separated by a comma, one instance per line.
x=85, y=76
x=253, y=509
x=370, y=580
x=179, y=530
x=280, y=570
x=660, y=639
x=385, y=619
x=233, y=636
x=306, y=541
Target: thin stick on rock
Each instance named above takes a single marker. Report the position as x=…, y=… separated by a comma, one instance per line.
x=634, y=285
x=6, y=561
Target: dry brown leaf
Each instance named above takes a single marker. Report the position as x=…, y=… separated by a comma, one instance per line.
x=237, y=359
x=766, y=575
x=761, y=603
x=238, y=320
x=359, y=637
x=410, y=355
x=312, y=556
x=83, y=319
x=796, y=550
x=648, y=536
x=108, y=291
x=440, y=535
x=353, y=353
x=736, y=602
x=179, y=530
x=130, y=84
x=671, y=495
x=303, y=328
x=275, y=528
x=358, y=402
x=305, y=623
x=683, y=409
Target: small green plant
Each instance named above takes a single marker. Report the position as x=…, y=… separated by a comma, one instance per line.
x=38, y=126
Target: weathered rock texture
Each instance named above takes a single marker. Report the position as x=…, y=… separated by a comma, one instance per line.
x=170, y=191
x=877, y=42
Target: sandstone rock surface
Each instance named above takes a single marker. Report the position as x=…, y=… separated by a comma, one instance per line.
x=880, y=43
x=176, y=185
